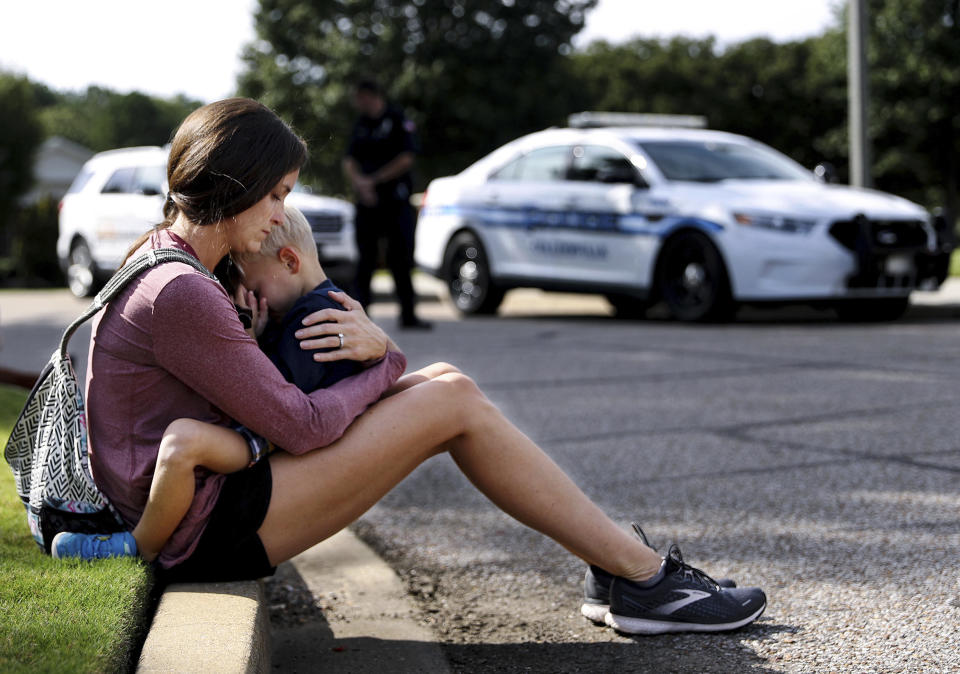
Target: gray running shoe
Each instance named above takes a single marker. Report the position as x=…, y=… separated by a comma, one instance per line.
x=685, y=600
x=596, y=586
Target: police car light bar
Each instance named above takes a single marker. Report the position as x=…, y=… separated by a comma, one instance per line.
x=585, y=120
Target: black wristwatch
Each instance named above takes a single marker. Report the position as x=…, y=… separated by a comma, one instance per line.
x=246, y=317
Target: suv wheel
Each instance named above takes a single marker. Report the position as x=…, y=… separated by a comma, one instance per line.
x=467, y=274
x=81, y=273
x=692, y=279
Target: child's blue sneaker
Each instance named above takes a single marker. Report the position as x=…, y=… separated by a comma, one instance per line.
x=93, y=546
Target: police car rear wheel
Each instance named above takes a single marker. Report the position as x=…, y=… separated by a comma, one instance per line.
x=468, y=277
x=692, y=279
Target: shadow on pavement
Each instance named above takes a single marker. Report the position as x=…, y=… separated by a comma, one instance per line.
x=664, y=653
x=754, y=316
x=673, y=653
x=302, y=640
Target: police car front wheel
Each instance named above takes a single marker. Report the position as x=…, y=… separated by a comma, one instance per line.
x=692, y=279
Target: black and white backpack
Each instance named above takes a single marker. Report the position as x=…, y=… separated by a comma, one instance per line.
x=47, y=448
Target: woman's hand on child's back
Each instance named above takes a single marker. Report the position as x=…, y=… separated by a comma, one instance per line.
x=348, y=332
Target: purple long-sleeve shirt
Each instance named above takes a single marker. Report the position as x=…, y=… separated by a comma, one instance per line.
x=171, y=346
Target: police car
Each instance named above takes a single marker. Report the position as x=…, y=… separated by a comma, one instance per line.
x=119, y=194
x=669, y=211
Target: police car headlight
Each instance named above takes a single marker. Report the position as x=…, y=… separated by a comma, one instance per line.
x=778, y=223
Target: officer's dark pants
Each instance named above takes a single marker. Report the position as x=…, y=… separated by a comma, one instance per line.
x=393, y=221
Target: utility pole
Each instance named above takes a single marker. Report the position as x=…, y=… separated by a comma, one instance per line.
x=858, y=93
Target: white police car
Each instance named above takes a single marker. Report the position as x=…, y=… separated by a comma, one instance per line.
x=702, y=220
x=119, y=194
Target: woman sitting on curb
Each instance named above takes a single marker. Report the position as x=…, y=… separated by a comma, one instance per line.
x=172, y=346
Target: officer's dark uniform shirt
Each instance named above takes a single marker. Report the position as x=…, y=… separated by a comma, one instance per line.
x=374, y=143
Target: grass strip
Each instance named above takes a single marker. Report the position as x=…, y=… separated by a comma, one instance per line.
x=955, y=263
x=57, y=615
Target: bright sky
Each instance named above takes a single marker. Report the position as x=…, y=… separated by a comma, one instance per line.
x=193, y=46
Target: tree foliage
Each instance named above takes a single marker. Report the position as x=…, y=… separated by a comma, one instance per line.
x=20, y=136
x=914, y=53
x=471, y=73
x=676, y=76
x=101, y=119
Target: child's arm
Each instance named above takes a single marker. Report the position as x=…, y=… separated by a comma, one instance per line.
x=186, y=444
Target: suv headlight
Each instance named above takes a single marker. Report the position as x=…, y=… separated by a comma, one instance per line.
x=778, y=223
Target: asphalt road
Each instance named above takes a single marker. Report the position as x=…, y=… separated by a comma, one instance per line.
x=814, y=458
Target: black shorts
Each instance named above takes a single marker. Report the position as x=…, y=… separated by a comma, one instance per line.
x=230, y=548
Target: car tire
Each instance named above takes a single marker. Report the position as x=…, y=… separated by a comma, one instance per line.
x=627, y=307
x=872, y=310
x=692, y=279
x=81, y=272
x=467, y=274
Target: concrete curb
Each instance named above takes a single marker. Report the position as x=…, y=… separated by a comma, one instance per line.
x=209, y=627
x=370, y=623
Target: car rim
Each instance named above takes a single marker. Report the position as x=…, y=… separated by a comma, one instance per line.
x=468, y=284
x=690, y=285
x=80, y=272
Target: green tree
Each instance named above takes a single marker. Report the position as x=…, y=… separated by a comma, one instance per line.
x=676, y=76
x=791, y=96
x=20, y=136
x=471, y=73
x=102, y=119
x=914, y=54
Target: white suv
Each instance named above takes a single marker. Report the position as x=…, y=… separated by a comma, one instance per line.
x=119, y=194
x=702, y=220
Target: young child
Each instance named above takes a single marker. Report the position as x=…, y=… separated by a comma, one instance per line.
x=282, y=284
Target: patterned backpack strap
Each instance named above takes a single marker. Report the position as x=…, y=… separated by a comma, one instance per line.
x=122, y=277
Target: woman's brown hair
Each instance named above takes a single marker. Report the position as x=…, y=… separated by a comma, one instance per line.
x=224, y=158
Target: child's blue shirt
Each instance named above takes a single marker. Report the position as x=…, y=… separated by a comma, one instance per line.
x=298, y=366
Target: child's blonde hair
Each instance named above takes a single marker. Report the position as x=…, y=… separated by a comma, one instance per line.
x=295, y=231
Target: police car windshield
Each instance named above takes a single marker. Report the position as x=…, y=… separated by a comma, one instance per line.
x=710, y=162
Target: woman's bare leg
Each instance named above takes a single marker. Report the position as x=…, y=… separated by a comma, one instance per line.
x=426, y=374
x=318, y=493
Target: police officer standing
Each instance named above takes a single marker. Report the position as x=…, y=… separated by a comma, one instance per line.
x=378, y=164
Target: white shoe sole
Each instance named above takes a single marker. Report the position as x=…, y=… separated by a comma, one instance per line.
x=646, y=626
x=53, y=545
x=595, y=612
